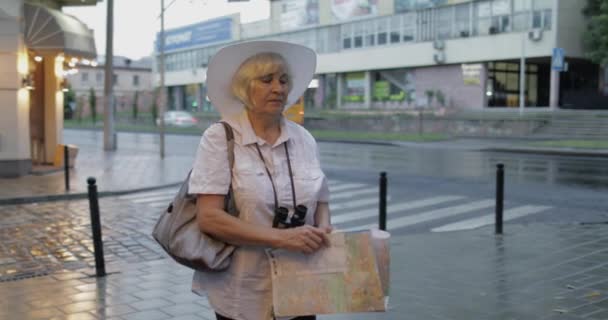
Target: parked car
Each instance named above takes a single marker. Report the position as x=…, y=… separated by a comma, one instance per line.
x=179, y=118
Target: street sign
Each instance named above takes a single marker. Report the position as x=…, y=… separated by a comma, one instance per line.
x=558, y=60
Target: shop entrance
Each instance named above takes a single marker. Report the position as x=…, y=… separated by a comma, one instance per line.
x=37, y=114
x=504, y=79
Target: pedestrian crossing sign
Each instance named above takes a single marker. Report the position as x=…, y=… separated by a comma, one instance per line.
x=558, y=60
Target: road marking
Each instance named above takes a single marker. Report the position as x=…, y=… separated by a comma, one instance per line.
x=147, y=194
x=335, y=207
x=409, y=220
x=345, y=186
x=392, y=209
x=508, y=215
x=350, y=194
x=166, y=197
x=159, y=204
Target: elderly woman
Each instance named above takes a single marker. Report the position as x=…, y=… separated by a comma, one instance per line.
x=276, y=168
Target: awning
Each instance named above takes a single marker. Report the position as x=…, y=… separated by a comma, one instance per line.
x=49, y=30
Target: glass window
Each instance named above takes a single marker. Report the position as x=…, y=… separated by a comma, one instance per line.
x=382, y=37
x=501, y=7
x=443, y=22
x=504, y=81
x=461, y=24
x=346, y=36
x=395, y=37
x=408, y=23
x=521, y=5
x=85, y=77
x=512, y=81
x=115, y=79
x=99, y=77
x=505, y=23
x=542, y=4
x=548, y=19
x=355, y=87
x=381, y=28
x=537, y=19
x=358, y=35
x=395, y=29
x=136, y=80
x=346, y=43
x=370, y=37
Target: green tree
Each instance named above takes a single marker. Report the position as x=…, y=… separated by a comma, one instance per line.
x=79, y=107
x=429, y=97
x=135, y=105
x=595, y=40
x=93, y=105
x=69, y=99
x=440, y=97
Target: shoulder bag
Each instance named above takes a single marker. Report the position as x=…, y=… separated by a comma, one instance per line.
x=178, y=232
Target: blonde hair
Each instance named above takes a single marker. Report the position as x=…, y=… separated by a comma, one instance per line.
x=256, y=66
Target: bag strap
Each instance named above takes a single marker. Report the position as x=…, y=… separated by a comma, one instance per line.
x=229, y=198
x=230, y=141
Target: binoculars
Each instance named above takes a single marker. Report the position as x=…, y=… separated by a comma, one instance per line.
x=281, y=215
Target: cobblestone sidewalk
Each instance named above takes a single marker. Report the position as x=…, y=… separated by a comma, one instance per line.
x=42, y=238
x=532, y=272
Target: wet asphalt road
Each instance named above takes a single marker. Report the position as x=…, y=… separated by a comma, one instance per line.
x=575, y=186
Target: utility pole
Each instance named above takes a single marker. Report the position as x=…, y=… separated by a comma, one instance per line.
x=161, y=104
x=522, y=75
x=109, y=136
x=554, y=84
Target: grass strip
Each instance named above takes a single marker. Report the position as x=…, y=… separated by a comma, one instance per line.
x=576, y=144
x=318, y=134
x=377, y=136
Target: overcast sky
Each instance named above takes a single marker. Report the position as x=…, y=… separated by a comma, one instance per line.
x=136, y=22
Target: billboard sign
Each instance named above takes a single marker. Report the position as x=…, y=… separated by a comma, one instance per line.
x=348, y=9
x=409, y=5
x=299, y=13
x=203, y=33
x=471, y=73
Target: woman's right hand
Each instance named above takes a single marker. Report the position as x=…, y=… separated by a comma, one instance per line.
x=305, y=239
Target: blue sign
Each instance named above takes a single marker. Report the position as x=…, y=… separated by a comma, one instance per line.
x=197, y=34
x=558, y=60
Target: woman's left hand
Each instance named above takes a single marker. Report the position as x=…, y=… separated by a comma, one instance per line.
x=305, y=239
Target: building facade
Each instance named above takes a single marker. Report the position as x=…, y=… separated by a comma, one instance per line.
x=406, y=54
x=132, y=84
x=38, y=44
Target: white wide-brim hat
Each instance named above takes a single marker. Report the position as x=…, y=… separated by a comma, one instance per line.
x=301, y=62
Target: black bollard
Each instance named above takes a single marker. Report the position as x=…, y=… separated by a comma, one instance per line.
x=66, y=167
x=382, y=209
x=500, y=184
x=100, y=268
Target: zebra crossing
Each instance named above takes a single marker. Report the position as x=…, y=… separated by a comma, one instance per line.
x=354, y=206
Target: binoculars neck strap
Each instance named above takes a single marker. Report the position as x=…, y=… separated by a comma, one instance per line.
x=274, y=190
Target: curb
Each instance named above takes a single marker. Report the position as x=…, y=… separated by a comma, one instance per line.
x=80, y=195
x=372, y=142
x=568, y=153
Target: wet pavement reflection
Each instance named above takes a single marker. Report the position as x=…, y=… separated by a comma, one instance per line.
x=546, y=169
x=428, y=159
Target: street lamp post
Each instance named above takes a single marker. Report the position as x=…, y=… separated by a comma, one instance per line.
x=161, y=104
x=554, y=80
x=522, y=74
x=109, y=136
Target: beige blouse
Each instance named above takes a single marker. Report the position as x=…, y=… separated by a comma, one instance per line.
x=244, y=291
